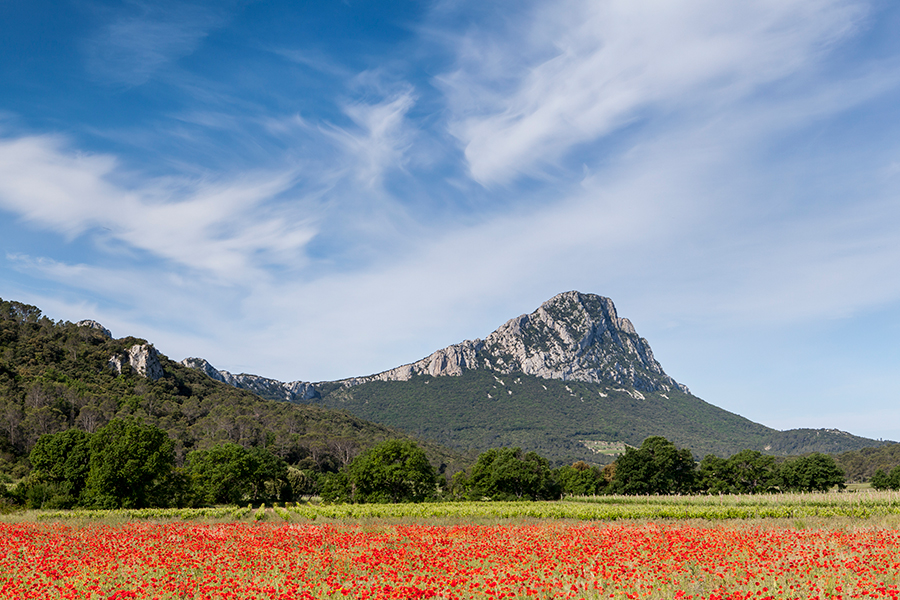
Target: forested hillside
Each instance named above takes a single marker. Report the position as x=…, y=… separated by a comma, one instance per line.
x=861, y=465
x=565, y=420
x=57, y=375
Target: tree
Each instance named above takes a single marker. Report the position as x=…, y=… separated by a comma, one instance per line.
x=815, y=472
x=302, y=483
x=269, y=477
x=221, y=475
x=60, y=463
x=713, y=476
x=580, y=479
x=507, y=474
x=229, y=473
x=129, y=465
x=657, y=467
x=752, y=472
x=392, y=471
x=747, y=472
x=883, y=480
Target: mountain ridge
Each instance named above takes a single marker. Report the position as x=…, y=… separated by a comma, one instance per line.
x=573, y=342
x=291, y=391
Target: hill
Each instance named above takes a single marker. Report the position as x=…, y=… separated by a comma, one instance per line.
x=860, y=465
x=571, y=380
x=57, y=375
x=565, y=420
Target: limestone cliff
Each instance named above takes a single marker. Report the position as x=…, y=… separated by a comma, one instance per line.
x=142, y=358
x=572, y=336
x=293, y=391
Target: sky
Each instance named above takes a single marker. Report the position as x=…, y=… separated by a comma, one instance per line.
x=318, y=190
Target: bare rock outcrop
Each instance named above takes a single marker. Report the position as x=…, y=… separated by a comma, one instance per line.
x=201, y=364
x=143, y=359
x=292, y=391
x=572, y=336
x=90, y=324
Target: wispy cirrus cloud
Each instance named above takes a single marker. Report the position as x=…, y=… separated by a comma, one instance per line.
x=144, y=37
x=575, y=71
x=380, y=139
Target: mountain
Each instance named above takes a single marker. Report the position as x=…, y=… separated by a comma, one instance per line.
x=294, y=391
x=571, y=380
x=571, y=337
x=59, y=375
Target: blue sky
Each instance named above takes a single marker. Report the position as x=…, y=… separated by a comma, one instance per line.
x=311, y=191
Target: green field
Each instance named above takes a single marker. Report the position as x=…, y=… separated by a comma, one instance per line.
x=856, y=505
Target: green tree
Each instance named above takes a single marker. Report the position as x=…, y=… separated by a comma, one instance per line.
x=270, y=475
x=229, y=473
x=580, y=479
x=302, y=483
x=747, y=472
x=507, y=474
x=657, y=467
x=221, y=475
x=130, y=463
x=713, y=475
x=60, y=463
x=392, y=471
x=335, y=487
x=883, y=480
x=752, y=472
x=815, y=472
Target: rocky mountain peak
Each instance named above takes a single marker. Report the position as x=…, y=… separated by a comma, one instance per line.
x=572, y=336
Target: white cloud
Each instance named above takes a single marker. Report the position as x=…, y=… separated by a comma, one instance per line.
x=223, y=228
x=578, y=70
x=381, y=139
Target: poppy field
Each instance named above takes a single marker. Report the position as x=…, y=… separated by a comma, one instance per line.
x=392, y=560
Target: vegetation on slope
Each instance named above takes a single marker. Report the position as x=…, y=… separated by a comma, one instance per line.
x=55, y=376
x=562, y=420
x=861, y=465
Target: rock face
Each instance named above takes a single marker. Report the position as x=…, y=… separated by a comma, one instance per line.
x=294, y=391
x=202, y=364
x=572, y=336
x=95, y=325
x=142, y=358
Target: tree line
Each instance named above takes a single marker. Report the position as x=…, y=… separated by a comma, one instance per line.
x=68, y=425
x=397, y=471
x=131, y=464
